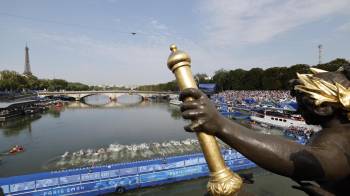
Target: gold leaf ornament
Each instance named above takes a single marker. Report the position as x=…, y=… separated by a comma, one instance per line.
x=344, y=95
x=323, y=91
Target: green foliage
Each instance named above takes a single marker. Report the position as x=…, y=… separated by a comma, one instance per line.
x=235, y=78
x=57, y=84
x=252, y=79
x=13, y=81
x=96, y=88
x=76, y=86
x=333, y=65
x=169, y=86
x=274, y=78
x=116, y=88
x=221, y=79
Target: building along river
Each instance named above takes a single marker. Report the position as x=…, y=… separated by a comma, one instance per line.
x=99, y=132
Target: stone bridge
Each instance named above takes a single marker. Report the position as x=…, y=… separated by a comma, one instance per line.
x=112, y=94
x=109, y=105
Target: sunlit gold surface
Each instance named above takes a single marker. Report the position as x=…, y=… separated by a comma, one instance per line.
x=323, y=91
x=223, y=182
x=315, y=70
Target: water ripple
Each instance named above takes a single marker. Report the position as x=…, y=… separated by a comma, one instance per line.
x=116, y=153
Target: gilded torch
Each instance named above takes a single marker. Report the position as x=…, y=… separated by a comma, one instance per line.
x=223, y=181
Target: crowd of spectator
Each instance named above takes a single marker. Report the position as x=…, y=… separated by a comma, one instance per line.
x=259, y=99
x=257, y=96
x=299, y=131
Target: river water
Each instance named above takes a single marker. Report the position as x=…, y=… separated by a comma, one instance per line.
x=99, y=132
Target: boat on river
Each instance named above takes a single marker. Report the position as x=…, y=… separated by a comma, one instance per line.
x=14, y=109
x=119, y=177
x=281, y=119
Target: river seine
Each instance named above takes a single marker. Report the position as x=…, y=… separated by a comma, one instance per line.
x=99, y=132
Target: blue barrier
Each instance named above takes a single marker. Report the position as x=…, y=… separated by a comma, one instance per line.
x=118, y=177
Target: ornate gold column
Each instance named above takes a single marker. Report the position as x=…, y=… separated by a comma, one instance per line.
x=223, y=181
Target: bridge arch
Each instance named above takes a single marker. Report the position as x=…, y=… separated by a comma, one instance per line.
x=111, y=96
x=141, y=97
x=79, y=95
x=82, y=97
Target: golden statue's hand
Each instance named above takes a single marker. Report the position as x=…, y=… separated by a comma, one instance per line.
x=201, y=111
x=222, y=181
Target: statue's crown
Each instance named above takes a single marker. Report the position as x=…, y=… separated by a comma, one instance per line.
x=323, y=91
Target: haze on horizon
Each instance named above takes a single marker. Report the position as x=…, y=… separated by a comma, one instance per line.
x=92, y=41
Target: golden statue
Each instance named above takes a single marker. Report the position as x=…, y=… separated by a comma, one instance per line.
x=323, y=99
x=222, y=182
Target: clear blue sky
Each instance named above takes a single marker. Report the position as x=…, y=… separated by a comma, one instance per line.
x=89, y=41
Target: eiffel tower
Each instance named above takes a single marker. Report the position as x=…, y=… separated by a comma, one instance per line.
x=27, y=70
